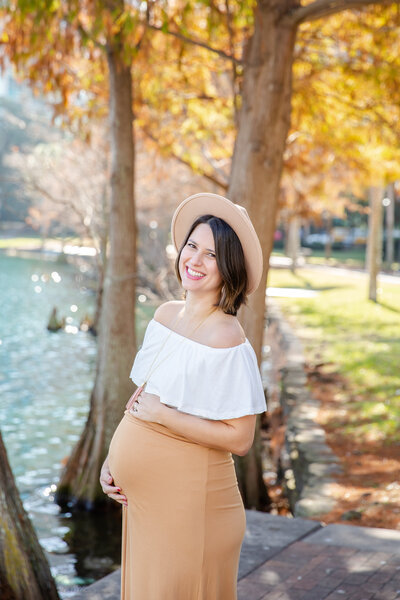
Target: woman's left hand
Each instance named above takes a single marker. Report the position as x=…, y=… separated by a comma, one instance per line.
x=147, y=407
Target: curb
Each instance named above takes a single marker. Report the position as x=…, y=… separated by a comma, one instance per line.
x=308, y=463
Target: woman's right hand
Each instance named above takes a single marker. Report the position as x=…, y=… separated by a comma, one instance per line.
x=108, y=487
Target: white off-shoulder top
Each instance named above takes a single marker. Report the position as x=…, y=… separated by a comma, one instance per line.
x=213, y=383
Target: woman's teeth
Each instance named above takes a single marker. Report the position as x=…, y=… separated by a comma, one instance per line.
x=194, y=273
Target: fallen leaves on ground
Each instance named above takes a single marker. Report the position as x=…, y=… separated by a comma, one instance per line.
x=368, y=491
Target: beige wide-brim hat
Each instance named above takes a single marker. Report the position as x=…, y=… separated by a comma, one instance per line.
x=235, y=215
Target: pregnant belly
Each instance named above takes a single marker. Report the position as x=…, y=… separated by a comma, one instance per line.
x=146, y=459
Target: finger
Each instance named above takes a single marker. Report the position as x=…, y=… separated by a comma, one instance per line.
x=106, y=477
x=111, y=489
x=106, y=481
x=119, y=498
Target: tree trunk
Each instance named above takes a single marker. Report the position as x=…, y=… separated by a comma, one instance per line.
x=328, y=228
x=116, y=339
x=389, y=258
x=294, y=241
x=24, y=572
x=374, y=249
x=257, y=165
x=285, y=236
x=250, y=476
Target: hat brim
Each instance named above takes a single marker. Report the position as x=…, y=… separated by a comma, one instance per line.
x=204, y=204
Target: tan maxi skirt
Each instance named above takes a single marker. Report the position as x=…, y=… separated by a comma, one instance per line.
x=184, y=524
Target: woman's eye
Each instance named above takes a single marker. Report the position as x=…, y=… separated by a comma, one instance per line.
x=191, y=245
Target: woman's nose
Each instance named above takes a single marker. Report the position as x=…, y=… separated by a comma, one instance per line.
x=197, y=257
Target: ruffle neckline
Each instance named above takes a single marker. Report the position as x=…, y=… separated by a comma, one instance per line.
x=205, y=346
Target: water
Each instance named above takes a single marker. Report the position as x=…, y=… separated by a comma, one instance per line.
x=45, y=383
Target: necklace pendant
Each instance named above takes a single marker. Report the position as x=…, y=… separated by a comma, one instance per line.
x=134, y=396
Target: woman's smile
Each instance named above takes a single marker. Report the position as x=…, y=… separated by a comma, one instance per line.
x=192, y=274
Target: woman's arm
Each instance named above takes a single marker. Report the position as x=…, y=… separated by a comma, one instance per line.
x=233, y=435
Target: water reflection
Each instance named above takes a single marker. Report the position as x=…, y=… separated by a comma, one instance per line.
x=45, y=384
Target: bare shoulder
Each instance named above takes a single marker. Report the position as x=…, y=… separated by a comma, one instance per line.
x=226, y=332
x=167, y=311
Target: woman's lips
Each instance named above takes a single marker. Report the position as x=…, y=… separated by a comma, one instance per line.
x=193, y=276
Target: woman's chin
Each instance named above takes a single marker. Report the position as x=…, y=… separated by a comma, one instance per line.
x=192, y=287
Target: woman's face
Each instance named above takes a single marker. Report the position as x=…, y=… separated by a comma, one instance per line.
x=197, y=264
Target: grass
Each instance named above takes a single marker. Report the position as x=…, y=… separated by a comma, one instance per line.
x=345, y=255
x=349, y=257
x=362, y=338
x=35, y=242
x=20, y=242
x=144, y=312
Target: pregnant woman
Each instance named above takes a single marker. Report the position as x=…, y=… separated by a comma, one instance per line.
x=199, y=390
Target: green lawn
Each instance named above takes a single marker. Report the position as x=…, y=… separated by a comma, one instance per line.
x=349, y=257
x=20, y=242
x=36, y=242
x=361, y=337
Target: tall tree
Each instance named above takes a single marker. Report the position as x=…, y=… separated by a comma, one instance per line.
x=47, y=42
x=263, y=127
x=117, y=341
x=24, y=571
x=374, y=245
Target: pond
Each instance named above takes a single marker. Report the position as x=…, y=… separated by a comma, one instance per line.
x=45, y=384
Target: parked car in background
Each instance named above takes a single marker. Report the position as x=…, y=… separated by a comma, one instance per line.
x=316, y=240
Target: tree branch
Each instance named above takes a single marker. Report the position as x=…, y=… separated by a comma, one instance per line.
x=372, y=108
x=189, y=40
x=324, y=8
x=222, y=184
x=85, y=35
x=36, y=187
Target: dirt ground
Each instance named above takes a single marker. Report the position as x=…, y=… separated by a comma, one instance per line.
x=368, y=491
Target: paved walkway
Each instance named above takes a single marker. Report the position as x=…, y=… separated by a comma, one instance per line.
x=299, y=559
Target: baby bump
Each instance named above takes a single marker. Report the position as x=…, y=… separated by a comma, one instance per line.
x=147, y=460
x=121, y=451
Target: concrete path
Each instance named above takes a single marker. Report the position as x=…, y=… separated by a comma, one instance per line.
x=299, y=559
x=285, y=262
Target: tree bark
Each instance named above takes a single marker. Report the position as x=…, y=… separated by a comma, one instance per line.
x=256, y=171
x=250, y=476
x=328, y=228
x=24, y=571
x=116, y=339
x=263, y=127
x=374, y=249
x=294, y=241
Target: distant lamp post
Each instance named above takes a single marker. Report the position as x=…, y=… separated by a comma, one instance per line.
x=389, y=205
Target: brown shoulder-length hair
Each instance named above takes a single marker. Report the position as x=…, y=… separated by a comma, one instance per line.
x=230, y=261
